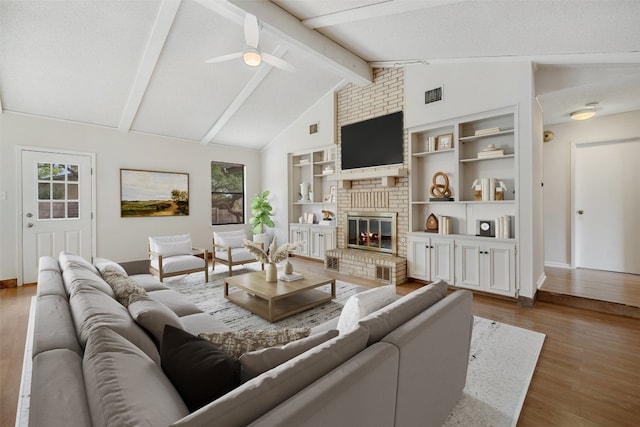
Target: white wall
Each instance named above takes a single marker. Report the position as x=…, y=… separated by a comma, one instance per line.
x=275, y=170
x=121, y=239
x=475, y=87
x=557, y=175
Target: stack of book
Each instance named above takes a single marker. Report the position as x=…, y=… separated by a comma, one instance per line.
x=503, y=227
x=290, y=277
x=490, y=151
x=444, y=224
x=487, y=131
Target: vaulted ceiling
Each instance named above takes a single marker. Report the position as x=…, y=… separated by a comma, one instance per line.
x=139, y=66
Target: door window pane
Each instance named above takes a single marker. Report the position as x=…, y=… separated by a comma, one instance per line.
x=59, y=182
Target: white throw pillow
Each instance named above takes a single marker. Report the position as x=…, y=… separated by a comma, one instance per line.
x=171, y=245
x=362, y=304
x=232, y=239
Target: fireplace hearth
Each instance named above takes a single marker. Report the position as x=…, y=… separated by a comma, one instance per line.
x=371, y=231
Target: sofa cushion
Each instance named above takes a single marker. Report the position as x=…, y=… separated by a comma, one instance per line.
x=76, y=279
x=58, y=391
x=169, y=246
x=175, y=301
x=53, y=326
x=50, y=283
x=257, y=396
x=123, y=286
x=256, y=362
x=199, y=370
x=101, y=263
x=48, y=263
x=232, y=239
x=124, y=387
x=91, y=309
x=152, y=315
x=148, y=281
x=383, y=321
x=363, y=304
x=238, y=343
x=69, y=260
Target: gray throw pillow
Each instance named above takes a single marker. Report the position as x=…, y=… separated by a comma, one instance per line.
x=123, y=286
x=256, y=362
x=238, y=343
x=152, y=315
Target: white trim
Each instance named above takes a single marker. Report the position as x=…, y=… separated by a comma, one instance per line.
x=557, y=264
x=20, y=149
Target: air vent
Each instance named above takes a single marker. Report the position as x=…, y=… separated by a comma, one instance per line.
x=333, y=263
x=433, y=95
x=383, y=274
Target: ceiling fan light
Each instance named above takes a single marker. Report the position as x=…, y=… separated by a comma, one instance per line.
x=252, y=57
x=586, y=113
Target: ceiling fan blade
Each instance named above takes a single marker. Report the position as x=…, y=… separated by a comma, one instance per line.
x=277, y=62
x=251, y=31
x=224, y=57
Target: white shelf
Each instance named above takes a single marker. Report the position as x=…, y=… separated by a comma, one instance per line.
x=482, y=159
x=464, y=139
x=429, y=153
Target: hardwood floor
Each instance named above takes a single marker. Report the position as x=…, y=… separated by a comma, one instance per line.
x=604, y=291
x=588, y=373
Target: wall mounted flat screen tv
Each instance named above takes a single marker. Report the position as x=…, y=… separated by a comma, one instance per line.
x=373, y=142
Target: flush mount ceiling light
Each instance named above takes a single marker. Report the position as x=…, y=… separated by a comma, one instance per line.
x=587, y=112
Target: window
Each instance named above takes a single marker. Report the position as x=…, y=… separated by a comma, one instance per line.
x=58, y=191
x=227, y=193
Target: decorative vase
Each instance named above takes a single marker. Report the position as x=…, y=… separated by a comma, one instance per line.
x=271, y=272
x=304, y=191
x=287, y=268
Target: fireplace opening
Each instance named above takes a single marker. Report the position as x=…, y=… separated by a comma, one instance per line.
x=372, y=231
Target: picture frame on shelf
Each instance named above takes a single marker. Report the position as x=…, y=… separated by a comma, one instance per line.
x=332, y=192
x=444, y=142
x=310, y=218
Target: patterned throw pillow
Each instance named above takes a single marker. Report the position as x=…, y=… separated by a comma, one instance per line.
x=238, y=343
x=123, y=286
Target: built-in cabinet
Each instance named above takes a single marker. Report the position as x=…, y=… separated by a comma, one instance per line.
x=317, y=239
x=478, y=155
x=485, y=266
x=312, y=196
x=430, y=258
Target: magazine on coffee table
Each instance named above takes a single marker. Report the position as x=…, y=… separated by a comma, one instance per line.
x=290, y=277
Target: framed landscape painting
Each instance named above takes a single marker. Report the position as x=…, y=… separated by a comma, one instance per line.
x=153, y=193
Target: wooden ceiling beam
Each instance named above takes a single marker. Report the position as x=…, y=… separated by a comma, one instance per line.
x=162, y=26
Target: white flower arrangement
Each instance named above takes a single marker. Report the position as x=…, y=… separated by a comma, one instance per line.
x=275, y=255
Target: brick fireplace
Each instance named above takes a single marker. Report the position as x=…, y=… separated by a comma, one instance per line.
x=374, y=196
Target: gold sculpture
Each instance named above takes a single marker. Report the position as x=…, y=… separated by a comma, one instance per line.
x=438, y=190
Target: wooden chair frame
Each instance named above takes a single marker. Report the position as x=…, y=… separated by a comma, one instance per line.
x=228, y=262
x=161, y=274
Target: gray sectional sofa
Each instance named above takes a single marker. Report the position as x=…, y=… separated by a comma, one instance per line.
x=93, y=365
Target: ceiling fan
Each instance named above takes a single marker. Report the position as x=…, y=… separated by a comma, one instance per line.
x=252, y=55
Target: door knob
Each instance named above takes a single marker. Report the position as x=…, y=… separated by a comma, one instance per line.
x=580, y=212
x=29, y=225
x=29, y=215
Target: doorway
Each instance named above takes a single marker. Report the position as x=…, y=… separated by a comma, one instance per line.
x=57, y=190
x=606, y=202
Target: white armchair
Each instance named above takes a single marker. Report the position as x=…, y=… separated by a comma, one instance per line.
x=228, y=249
x=174, y=255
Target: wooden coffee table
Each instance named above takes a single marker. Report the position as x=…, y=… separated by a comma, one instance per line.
x=276, y=300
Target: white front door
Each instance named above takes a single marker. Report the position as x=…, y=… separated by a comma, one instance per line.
x=606, y=206
x=57, y=200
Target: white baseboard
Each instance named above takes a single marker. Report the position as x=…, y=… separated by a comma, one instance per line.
x=557, y=264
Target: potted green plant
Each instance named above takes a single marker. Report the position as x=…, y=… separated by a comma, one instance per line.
x=261, y=217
